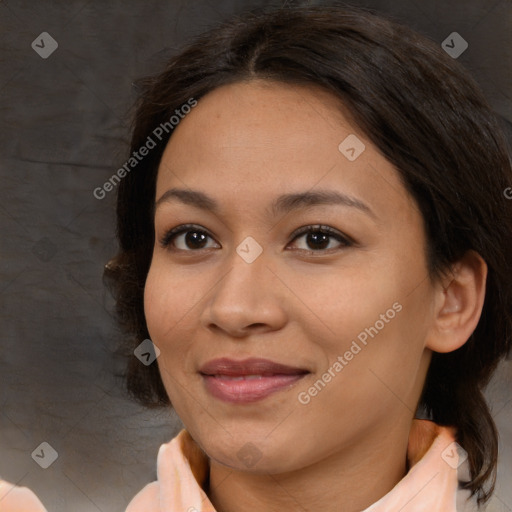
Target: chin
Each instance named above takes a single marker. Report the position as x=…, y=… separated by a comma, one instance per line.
x=251, y=450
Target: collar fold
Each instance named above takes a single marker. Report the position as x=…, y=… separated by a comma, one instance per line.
x=430, y=484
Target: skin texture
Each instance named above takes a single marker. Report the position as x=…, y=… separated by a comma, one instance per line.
x=244, y=144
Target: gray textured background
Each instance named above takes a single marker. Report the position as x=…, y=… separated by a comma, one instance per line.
x=64, y=131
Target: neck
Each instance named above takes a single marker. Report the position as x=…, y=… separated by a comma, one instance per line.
x=349, y=480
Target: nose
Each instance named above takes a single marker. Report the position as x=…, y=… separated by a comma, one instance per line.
x=247, y=298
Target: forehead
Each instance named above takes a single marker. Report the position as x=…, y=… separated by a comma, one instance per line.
x=248, y=142
x=250, y=118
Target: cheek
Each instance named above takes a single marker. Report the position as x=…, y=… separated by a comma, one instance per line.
x=166, y=298
x=162, y=312
x=343, y=305
x=153, y=302
x=163, y=307
x=170, y=299
x=377, y=327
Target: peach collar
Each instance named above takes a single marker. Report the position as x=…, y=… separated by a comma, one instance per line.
x=430, y=484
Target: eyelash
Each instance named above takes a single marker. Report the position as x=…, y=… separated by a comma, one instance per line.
x=169, y=236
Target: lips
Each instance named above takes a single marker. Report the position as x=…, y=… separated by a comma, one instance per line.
x=253, y=366
x=249, y=380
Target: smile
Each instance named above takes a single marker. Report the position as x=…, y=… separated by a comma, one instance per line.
x=249, y=388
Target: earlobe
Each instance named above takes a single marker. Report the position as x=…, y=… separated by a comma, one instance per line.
x=460, y=298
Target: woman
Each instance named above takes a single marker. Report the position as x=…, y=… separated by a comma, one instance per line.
x=314, y=236
x=317, y=245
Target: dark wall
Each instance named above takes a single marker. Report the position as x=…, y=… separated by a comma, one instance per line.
x=64, y=131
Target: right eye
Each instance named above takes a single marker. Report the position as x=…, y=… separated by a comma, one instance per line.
x=188, y=235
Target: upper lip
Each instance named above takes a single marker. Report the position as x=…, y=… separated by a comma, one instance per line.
x=251, y=366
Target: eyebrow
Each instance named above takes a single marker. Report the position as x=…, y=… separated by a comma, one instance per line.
x=283, y=204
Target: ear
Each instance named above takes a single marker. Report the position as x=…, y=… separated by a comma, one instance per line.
x=459, y=299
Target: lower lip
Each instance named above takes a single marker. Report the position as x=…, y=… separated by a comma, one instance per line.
x=248, y=390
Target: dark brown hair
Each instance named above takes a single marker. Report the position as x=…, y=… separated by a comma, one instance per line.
x=425, y=114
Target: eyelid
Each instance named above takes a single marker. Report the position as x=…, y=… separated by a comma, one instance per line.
x=178, y=230
x=322, y=228
x=345, y=240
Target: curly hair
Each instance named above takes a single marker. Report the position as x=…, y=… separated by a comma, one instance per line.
x=424, y=113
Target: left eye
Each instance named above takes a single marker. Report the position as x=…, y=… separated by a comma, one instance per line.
x=320, y=236
x=317, y=237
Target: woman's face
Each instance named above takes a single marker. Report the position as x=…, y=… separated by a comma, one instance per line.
x=347, y=314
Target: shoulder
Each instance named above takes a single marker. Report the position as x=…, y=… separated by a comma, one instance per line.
x=182, y=470
x=146, y=500
x=18, y=499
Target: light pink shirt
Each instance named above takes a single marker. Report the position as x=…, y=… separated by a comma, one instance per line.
x=429, y=486
x=182, y=471
x=18, y=499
